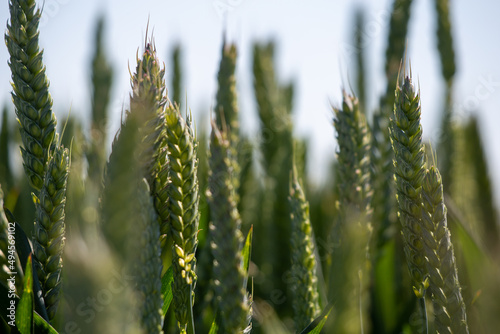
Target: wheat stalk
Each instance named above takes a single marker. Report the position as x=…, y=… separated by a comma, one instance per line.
x=30, y=89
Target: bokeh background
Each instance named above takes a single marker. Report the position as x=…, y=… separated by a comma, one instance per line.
x=314, y=49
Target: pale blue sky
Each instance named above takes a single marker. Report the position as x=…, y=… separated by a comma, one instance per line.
x=312, y=37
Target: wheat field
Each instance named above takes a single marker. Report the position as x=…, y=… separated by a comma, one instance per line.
x=176, y=229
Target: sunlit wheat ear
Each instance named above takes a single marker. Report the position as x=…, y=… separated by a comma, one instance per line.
x=305, y=281
x=448, y=305
x=148, y=264
x=183, y=202
x=227, y=239
x=30, y=89
x=147, y=103
x=409, y=172
x=48, y=235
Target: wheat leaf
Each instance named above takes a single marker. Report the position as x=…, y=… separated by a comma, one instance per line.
x=166, y=289
x=317, y=324
x=24, y=311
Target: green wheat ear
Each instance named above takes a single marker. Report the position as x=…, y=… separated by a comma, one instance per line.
x=409, y=172
x=226, y=109
x=183, y=202
x=48, y=235
x=305, y=281
x=148, y=264
x=353, y=155
x=147, y=104
x=349, y=279
x=102, y=79
x=226, y=236
x=177, y=75
x=30, y=89
x=448, y=304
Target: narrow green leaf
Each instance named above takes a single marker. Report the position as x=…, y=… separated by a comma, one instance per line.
x=246, y=252
x=214, y=329
x=316, y=326
x=166, y=289
x=23, y=250
x=24, y=312
x=23, y=247
x=42, y=326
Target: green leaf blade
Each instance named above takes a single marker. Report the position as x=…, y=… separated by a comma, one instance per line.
x=316, y=326
x=42, y=326
x=166, y=289
x=246, y=254
x=24, y=312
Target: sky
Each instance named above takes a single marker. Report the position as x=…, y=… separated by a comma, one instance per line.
x=312, y=38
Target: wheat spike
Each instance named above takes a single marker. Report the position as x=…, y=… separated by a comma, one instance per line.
x=149, y=262
x=30, y=89
x=226, y=109
x=48, y=235
x=183, y=202
x=449, y=307
x=305, y=281
x=406, y=139
x=226, y=236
